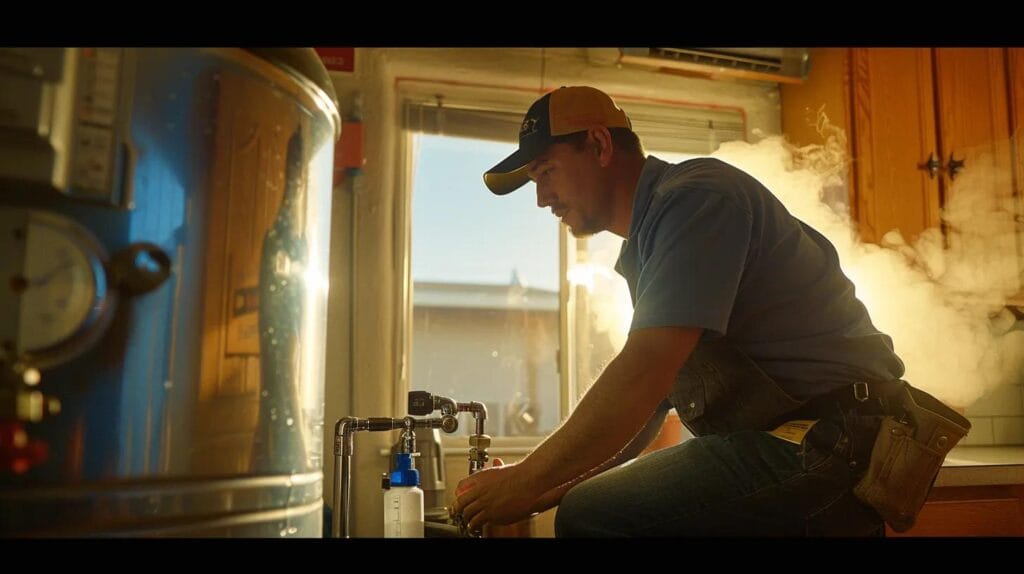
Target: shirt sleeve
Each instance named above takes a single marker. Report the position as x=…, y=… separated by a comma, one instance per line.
x=692, y=261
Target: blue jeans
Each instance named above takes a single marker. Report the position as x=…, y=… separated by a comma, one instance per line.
x=745, y=483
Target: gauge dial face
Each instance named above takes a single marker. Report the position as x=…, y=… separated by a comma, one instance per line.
x=59, y=287
x=54, y=298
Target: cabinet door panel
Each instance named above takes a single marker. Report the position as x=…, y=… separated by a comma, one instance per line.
x=974, y=127
x=894, y=133
x=1015, y=69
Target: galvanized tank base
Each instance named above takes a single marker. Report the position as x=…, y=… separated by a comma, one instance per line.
x=254, y=506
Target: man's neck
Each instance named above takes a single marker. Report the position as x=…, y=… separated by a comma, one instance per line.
x=625, y=191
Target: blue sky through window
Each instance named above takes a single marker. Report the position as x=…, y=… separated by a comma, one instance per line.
x=462, y=233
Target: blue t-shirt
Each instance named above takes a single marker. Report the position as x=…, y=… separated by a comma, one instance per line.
x=711, y=247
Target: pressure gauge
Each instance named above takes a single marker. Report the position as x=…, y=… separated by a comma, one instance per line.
x=57, y=297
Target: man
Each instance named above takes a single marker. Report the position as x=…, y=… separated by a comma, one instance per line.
x=743, y=321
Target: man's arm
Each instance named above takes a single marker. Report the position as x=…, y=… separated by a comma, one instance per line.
x=646, y=435
x=610, y=414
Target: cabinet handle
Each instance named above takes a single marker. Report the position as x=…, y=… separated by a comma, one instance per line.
x=955, y=165
x=933, y=165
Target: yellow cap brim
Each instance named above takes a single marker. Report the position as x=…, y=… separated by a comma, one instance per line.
x=503, y=183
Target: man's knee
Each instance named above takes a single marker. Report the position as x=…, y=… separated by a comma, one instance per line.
x=579, y=513
x=568, y=517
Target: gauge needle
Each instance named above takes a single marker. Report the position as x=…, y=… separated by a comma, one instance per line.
x=46, y=277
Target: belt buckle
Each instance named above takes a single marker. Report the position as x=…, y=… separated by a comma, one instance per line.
x=860, y=391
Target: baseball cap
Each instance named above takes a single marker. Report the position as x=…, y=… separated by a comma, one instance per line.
x=563, y=111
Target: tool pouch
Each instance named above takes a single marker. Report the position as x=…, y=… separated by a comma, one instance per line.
x=907, y=454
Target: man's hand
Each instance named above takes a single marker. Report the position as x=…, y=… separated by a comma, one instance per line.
x=494, y=495
x=606, y=421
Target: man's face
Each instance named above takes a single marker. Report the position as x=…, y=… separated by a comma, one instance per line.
x=570, y=181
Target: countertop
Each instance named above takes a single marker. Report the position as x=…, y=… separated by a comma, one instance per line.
x=982, y=465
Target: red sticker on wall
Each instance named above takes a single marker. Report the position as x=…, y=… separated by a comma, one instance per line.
x=338, y=59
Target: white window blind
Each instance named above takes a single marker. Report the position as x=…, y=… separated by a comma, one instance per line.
x=678, y=129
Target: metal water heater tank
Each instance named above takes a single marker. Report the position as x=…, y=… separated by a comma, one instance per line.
x=164, y=235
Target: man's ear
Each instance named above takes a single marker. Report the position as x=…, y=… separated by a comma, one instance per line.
x=603, y=144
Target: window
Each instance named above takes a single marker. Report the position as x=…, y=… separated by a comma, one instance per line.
x=485, y=274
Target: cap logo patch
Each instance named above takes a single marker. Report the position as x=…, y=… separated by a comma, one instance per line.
x=529, y=126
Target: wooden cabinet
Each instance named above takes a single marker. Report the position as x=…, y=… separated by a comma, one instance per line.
x=924, y=126
x=996, y=510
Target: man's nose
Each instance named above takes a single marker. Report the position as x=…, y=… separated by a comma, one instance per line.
x=544, y=198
